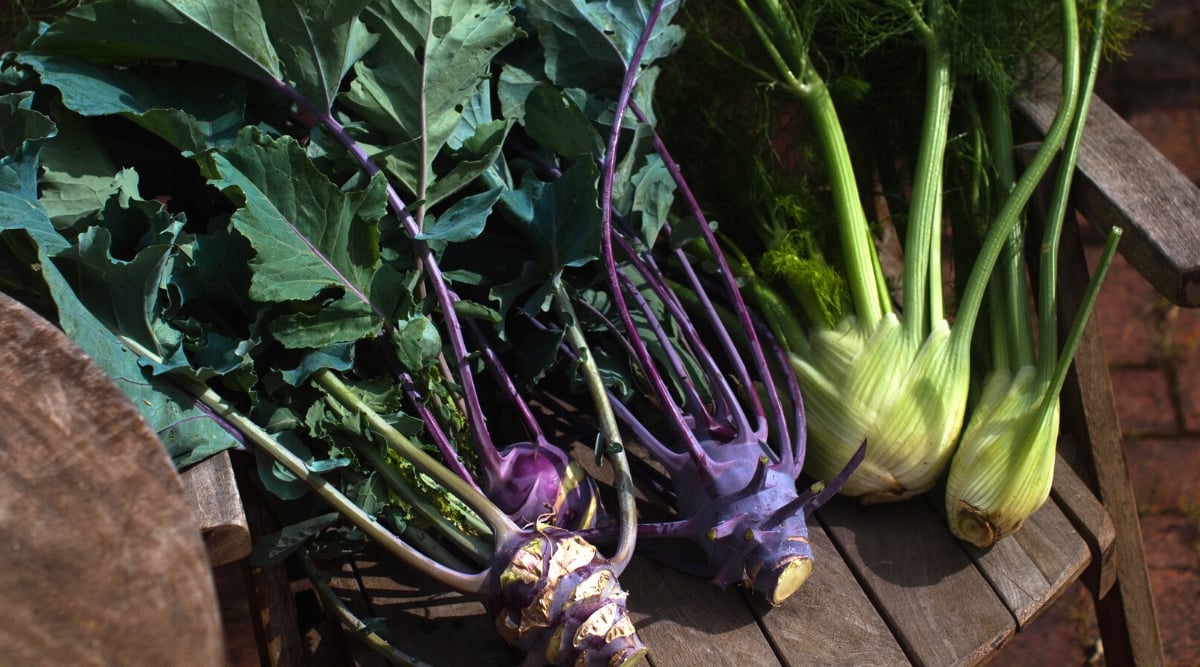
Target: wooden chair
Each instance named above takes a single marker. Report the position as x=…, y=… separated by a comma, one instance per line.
x=891, y=585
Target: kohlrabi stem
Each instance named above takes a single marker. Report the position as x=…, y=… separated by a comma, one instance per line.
x=1048, y=265
x=922, y=278
x=266, y=443
x=498, y=520
x=332, y=602
x=608, y=428
x=445, y=297
x=391, y=476
x=1010, y=211
x=805, y=84
x=467, y=583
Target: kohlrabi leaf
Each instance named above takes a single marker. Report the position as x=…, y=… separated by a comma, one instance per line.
x=479, y=153
x=216, y=272
x=20, y=124
x=123, y=294
x=190, y=106
x=325, y=323
x=318, y=41
x=464, y=220
x=554, y=121
x=231, y=34
x=653, y=194
x=22, y=132
x=560, y=218
x=431, y=59
x=308, y=235
x=588, y=44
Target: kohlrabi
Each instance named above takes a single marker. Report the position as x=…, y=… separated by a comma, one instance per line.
x=311, y=312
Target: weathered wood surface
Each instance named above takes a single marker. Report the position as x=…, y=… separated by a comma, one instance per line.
x=211, y=486
x=891, y=587
x=1125, y=182
x=102, y=562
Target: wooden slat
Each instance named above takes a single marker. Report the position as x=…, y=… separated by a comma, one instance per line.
x=1126, y=182
x=941, y=608
x=212, y=489
x=425, y=620
x=276, y=627
x=1091, y=519
x=1036, y=564
x=688, y=621
x=829, y=621
x=344, y=582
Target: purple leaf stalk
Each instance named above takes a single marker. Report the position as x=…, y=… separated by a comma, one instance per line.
x=733, y=456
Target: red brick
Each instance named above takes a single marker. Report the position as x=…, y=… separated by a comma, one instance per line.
x=1183, y=337
x=1129, y=312
x=1155, y=467
x=1176, y=591
x=1144, y=403
x=1172, y=543
x=1189, y=391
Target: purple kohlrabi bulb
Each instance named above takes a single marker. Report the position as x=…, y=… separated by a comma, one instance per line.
x=558, y=600
x=538, y=479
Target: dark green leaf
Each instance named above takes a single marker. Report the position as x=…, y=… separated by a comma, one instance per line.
x=554, y=121
x=308, y=235
x=561, y=219
x=431, y=59
x=232, y=35
x=318, y=41
x=273, y=549
x=464, y=220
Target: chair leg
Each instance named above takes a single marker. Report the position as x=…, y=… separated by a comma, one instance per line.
x=1127, y=618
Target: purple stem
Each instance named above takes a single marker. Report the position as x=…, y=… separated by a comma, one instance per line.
x=445, y=296
x=739, y=306
x=608, y=177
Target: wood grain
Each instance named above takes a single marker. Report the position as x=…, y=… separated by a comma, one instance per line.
x=1126, y=182
x=830, y=621
x=1128, y=620
x=103, y=563
x=941, y=608
x=212, y=488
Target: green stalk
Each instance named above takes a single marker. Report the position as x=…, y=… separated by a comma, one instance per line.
x=1047, y=300
x=922, y=278
x=330, y=494
x=398, y=442
x=1011, y=313
x=869, y=297
x=608, y=428
x=479, y=551
x=998, y=233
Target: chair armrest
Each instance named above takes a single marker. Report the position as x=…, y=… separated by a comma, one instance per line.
x=1124, y=181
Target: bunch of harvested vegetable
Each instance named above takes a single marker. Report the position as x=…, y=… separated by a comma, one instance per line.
x=731, y=443
x=893, y=374
x=279, y=299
